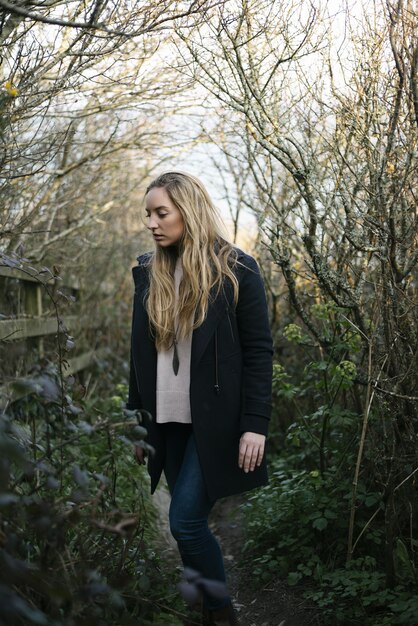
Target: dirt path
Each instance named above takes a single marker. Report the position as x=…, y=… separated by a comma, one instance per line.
x=275, y=604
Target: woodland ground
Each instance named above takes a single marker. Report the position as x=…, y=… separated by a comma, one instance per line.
x=274, y=604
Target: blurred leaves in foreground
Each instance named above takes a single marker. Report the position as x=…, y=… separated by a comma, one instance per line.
x=76, y=521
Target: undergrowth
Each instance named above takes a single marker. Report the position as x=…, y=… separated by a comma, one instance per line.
x=298, y=526
x=78, y=529
x=297, y=529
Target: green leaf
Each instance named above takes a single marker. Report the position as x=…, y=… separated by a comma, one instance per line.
x=293, y=578
x=320, y=523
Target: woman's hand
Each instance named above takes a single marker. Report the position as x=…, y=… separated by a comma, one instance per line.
x=140, y=454
x=251, y=451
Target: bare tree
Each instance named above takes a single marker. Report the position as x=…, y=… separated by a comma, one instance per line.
x=87, y=94
x=328, y=121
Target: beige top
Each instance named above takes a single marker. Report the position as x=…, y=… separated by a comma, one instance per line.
x=173, y=399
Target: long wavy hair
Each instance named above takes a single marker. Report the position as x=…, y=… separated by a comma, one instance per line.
x=208, y=258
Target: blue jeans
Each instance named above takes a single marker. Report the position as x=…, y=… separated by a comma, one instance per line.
x=190, y=507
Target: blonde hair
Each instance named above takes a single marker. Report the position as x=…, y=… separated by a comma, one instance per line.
x=207, y=259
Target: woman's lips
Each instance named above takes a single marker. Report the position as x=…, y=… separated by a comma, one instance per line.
x=158, y=237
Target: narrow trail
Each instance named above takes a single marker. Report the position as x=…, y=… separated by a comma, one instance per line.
x=275, y=604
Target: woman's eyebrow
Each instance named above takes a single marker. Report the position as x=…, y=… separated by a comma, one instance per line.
x=157, y=208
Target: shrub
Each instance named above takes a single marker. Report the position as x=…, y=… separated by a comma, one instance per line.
x=77, y=524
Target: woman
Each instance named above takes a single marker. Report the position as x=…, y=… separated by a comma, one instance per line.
x=201, y=361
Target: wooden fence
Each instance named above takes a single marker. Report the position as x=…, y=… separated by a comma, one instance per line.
x=32, y=322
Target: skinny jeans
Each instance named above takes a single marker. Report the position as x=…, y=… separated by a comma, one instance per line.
x=190, y=507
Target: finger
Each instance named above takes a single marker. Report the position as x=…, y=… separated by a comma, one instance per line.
x=260, y=455
x=139, y=455
x=247, y=458
x=250, y=458
x=253, y=458
x=242, y=453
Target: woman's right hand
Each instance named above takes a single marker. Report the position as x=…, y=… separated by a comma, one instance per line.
x=140, y=454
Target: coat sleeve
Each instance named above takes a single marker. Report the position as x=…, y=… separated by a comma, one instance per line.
x=257, y=349
x=134, y=396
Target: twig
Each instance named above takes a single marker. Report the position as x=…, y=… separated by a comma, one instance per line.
x=369, y=399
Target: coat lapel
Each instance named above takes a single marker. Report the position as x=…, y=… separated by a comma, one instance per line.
x=218, y=305
x=202, y=334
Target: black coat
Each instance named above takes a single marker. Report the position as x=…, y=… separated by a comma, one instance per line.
x=230, y=378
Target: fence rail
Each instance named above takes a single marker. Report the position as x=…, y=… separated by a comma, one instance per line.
x=12, y=272
x=22, y=328
x=32, y=322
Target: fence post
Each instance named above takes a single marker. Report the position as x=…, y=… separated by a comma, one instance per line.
x=32, y=299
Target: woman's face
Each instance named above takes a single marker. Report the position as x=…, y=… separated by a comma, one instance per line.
x=163, y=218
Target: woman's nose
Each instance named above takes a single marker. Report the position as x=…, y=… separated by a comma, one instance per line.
x=152, y=222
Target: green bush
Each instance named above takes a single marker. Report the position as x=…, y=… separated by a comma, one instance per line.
x=297, y=527
x=78, y=528
x=297, y=524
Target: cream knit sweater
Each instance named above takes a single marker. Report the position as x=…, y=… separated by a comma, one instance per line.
x=173, y=399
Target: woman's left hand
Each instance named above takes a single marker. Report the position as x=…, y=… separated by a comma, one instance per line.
x=251, y=451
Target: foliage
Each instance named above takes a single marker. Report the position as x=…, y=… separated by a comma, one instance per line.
x=77, y=525
x=297, y=526
x=327, y=161
x=297, y=529
x=78, y=532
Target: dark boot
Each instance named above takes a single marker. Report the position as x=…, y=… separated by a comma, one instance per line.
x=221, y=617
